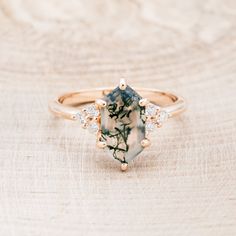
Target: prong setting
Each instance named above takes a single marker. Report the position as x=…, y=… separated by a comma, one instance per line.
x=143, y=102
x=124, y=166
x=85, y=125
x=123, y=84
x=89, y=118
x=155, y=117
x=101, y=144
x=145, y=143
x=122, y=119
x=100, y=103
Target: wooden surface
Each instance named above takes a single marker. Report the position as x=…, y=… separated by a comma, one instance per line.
x=52, y=179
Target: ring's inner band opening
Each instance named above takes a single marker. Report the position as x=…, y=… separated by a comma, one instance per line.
x=84, y=97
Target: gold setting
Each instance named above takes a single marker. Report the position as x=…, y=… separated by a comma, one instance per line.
x=123, y=84
x=101, y=144
x=124, y=166
x=145, y=143
x=143, y=102
x=167, y=102
x=100, y=103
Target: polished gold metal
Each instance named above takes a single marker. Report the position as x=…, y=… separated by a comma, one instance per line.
x=101, y=144
x=143, y=102
x=85, y=125
x=100, y=103
x=123, y=84
x=124, y=166
x=145, y=142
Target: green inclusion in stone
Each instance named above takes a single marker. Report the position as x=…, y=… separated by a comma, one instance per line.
x=123, y=124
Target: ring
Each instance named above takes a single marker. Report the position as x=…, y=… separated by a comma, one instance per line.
x=122, y=118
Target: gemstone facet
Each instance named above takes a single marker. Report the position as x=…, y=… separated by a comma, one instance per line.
x=123, y=124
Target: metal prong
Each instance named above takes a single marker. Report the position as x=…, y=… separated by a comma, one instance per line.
x=88, y=118
x=85, y=125
x=100, y=103
x=145, y=143
x=143, y=102
x=74, y=117
x=124, y=166
x=101, y=144
x=123, y=84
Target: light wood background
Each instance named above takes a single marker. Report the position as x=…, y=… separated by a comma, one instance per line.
x=52, y=179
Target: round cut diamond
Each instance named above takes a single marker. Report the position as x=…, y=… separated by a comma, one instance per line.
x=162, y=116
x=150, y=126
x=93, y=127
x=92, y=110
x=88, y=118
x=81, y=117
x=151, y=109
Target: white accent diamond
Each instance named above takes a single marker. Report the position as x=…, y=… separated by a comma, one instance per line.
x=93, y=127
x=151, y=109
x=92, y=110
x=81, y=117
x=150, y=126
x=162, y=116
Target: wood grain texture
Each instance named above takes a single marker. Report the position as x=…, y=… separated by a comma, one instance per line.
x=52, y=179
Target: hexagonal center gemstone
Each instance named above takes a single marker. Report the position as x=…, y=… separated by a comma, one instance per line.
x=123, y=124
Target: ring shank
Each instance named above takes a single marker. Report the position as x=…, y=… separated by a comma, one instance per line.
x=67, y=105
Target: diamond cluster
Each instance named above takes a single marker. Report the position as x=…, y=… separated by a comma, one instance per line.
x=122, y=124
x=89, y=117
x=155, y=117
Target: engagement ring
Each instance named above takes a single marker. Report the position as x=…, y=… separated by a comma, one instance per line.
x=122, y=118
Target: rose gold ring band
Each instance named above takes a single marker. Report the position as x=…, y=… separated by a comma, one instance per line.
x=66, y=106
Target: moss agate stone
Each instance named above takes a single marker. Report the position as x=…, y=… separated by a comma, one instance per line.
x=123, y=124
